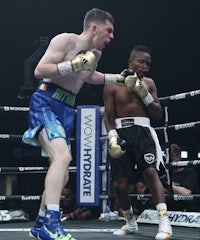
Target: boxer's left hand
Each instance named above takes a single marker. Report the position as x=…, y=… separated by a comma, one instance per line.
x=139, y=87
x=84, y=61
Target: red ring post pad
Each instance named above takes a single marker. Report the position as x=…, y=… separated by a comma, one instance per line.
x=88, y=155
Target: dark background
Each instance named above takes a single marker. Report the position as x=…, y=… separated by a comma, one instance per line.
x=170, y=29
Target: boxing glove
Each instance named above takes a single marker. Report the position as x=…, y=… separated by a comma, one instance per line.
x=139, y=87
x=126, y=72
x=118, y=79
x=116, y=145
x=85, y=60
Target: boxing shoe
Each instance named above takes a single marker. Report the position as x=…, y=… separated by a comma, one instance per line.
x=165, y=229
x=130, y=227
x=51, y=229
x=36, y=228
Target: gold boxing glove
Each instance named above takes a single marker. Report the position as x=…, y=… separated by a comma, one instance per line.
x=118, y=79
x=116, y=145
x=85, y=60
x=139, y=87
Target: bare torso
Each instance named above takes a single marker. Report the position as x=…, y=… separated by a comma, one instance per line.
x=120, y=103
x=62, y=48
x=128, y=104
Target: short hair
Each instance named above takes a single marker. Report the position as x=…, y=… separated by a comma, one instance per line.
x=97, y=15
x=175, y=150
x=140, y=48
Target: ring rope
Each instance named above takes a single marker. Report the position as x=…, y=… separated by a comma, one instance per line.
x=6, y=136
x=140, y=197
x=25, y=170
x=183, y=164
x=162, y=99
x=166, y=100
x=177, y=127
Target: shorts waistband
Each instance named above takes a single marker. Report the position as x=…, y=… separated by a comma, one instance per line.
x=58, y=93
x=131, y=121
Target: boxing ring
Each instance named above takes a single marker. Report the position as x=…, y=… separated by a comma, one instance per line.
x=93, y=177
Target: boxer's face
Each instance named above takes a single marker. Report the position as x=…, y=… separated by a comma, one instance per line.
x=140, y=63
x=103, y=34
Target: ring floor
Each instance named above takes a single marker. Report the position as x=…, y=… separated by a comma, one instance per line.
x=98, y=230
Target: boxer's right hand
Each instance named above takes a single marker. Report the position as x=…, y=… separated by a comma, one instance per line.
x=116, y=145
x=121, y=78
x=85, y=60
x=127, y=72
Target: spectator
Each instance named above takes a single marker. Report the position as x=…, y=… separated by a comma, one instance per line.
x=67, y=205
x=71, y=211
x=140, y=205
x=184, y=181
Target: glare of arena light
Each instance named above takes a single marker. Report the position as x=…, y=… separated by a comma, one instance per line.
x=198, y=154
x=184, y=154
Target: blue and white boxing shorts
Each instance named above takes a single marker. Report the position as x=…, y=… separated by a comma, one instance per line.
x=51, y=107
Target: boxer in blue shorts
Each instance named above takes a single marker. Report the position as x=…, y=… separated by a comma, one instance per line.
x=69, y=61
x=52, y=109
x=132, y=140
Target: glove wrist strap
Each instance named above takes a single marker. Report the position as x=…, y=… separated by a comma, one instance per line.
x=112, y=133
x=110, y=78
x=64, y=68
x=148, y=99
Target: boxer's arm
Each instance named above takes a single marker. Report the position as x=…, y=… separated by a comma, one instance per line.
x=116, y=145
x=52, y=65
x=55, y=53
x=109, y=103
x=181, y=190
x=155, y=109
x=109, y=79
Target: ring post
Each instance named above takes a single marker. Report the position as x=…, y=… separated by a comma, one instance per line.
x=88, y=155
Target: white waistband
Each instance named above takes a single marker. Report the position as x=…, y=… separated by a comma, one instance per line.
x=130, y=121
x=145, y=122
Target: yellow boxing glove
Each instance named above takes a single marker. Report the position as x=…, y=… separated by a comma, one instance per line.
x=116, y=145
x=139, y=87
x=85, y=60
x=118, y=79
